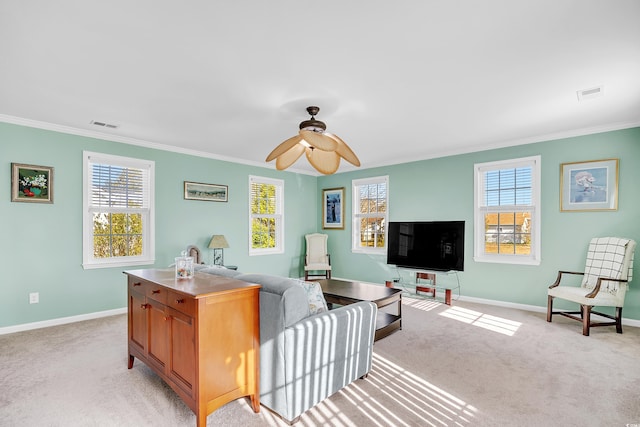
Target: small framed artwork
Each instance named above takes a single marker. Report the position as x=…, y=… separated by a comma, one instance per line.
x=589, y=186
x=31, y=183
x=207, y=192
x=333, y=208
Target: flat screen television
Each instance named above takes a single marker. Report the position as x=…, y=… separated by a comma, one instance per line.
x=434, y=245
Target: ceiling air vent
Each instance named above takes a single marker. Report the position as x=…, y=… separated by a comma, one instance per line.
x=594, y=92
x=104, y=125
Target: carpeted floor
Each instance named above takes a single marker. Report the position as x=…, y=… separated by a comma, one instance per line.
x=465, y=365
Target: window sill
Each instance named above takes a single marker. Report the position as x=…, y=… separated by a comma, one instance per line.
x=377, y=251
x=506, y=259
x=266, y=252
x=119, y=263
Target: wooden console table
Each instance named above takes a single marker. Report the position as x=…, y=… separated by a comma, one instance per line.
x=200, y=335
x=343, y=292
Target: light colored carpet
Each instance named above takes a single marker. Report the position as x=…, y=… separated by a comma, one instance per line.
x=465, y=365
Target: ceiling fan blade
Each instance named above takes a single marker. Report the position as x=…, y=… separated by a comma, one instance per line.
x=288, y=158
x=344, y=150
x=319, y=141
x=284, y=147
x=325, y=162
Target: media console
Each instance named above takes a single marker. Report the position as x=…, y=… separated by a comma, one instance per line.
x=426, y=282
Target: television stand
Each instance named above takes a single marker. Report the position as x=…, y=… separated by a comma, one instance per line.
x=426, y=282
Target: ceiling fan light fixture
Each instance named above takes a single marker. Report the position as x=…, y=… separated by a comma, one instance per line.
x=325, y=162
x=319, y=140
x=290, y=157
x=323, y=150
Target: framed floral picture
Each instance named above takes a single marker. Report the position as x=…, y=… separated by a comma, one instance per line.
x=31, y=183
x=589, y=186
x=333, y=208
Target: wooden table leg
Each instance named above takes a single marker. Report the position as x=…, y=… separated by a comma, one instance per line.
x=447, y=296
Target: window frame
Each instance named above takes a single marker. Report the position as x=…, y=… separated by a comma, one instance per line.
x=279, y=216
x=534, y=258
x=356, y=215
x=148, y=213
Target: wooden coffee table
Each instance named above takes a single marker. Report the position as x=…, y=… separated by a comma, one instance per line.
x=343, y=292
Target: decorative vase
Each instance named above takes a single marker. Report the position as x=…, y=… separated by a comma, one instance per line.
x=184, y=267
x=36, y=190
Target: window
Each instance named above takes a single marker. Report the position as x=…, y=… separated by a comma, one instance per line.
x=370, y=201
x=266, y=217
x=507, y=211
x=118, y=211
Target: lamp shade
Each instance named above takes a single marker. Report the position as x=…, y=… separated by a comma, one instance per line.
x=218, y=241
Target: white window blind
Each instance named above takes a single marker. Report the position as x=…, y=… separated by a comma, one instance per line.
x=118, y=187
x=266, y=215
x=370, y=214
x=118, y=211
x=507, y=211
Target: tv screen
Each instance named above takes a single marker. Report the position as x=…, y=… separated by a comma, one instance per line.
x=435, y=245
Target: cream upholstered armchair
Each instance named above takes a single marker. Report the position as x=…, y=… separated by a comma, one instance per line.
x=317, y=258
x=608, y=271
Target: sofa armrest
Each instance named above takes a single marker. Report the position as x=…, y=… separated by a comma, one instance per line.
x=325, y=353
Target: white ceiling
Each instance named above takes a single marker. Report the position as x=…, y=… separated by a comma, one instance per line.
x=398, y=81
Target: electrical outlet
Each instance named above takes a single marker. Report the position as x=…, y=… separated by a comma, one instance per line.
x=34, y=298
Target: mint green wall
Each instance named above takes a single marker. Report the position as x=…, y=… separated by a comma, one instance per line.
x=41, y=244
x=442, y=189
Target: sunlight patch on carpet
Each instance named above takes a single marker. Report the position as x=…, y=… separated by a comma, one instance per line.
x=407, y=399
x=326, y=413
x=486, y=321
x=421, y=303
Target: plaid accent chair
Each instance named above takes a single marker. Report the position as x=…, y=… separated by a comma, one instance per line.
x=608, y=271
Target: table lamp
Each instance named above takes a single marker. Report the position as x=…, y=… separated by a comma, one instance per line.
x=218, y=243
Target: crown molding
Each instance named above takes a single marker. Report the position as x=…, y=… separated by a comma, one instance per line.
x=171, y=148
x=133, y=141
x=522, y=141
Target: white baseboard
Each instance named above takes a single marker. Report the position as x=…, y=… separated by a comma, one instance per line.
x=526, y=307
x=538, y=309
x=88, y=316
x=61, y=321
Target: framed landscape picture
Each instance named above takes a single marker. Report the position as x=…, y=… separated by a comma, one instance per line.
x=333, y=208
x=589, y=186
x=207, y=192
x=31, y=183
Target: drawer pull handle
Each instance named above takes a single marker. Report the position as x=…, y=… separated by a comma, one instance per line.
x=144, y=306
x=155, y=292
x=137, y=284
x=180, y=301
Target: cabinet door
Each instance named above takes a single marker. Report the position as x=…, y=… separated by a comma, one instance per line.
x=158, y=330
x=137, y=320
x=182, y=367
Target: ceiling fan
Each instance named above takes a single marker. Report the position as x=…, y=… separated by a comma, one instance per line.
x=323, y=149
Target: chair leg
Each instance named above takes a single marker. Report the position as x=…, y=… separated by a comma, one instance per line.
x=619, y=320
x=328, y=274
x=306, y=275
x=549, y=307
x=586, y=319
